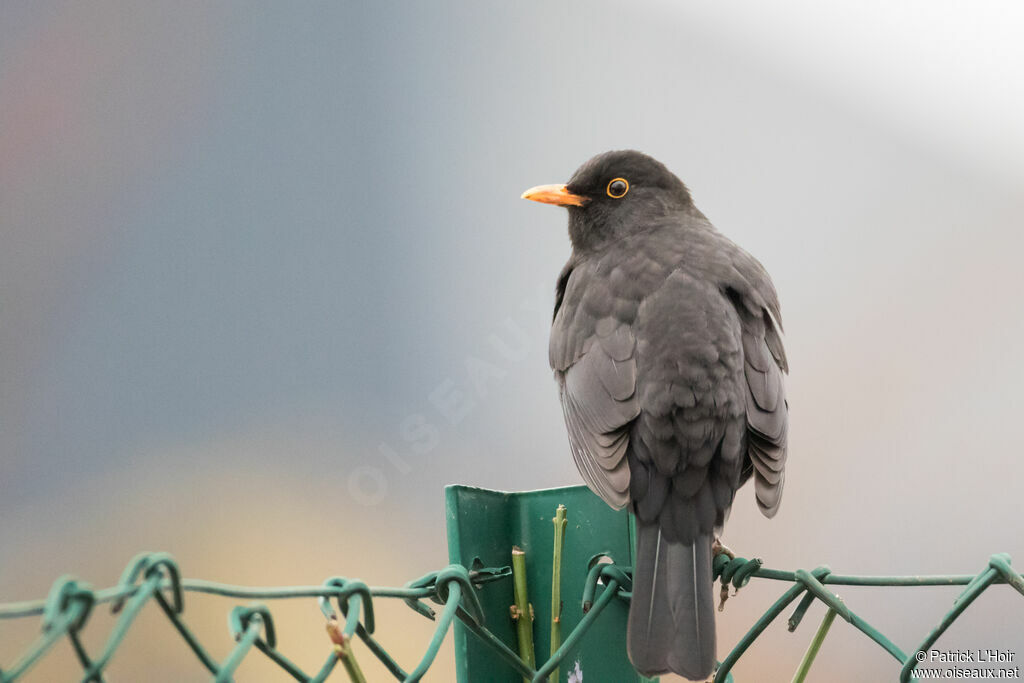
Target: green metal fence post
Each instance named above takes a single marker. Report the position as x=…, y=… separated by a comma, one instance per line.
x=483, y=526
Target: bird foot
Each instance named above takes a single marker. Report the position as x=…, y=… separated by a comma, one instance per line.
x=719, y=548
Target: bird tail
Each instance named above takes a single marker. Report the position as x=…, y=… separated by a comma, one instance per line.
x=671, y=615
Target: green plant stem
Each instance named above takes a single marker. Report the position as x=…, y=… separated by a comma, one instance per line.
x=814, y=647
x=523, y=614
x=560, y=523
x=343, y=650
x=348, y=660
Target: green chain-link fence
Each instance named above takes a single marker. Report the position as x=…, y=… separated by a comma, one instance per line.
x=462, y=592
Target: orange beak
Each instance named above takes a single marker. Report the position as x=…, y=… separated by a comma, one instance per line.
x=554, y=194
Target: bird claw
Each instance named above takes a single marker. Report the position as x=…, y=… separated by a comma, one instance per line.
x=719, y=548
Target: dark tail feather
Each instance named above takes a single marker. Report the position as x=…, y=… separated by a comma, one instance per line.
x=671, y=617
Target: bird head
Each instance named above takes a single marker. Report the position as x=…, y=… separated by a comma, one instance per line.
x=614, y=194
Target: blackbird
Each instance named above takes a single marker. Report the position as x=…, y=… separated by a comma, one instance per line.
x=667, y=351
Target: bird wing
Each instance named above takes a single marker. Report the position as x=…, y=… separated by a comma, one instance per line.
x=746, y=283
x=767, y=413
x=764, y=367
x=594, y=359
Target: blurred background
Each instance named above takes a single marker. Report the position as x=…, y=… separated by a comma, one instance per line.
x=253, y=254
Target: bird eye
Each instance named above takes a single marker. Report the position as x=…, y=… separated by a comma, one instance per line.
x=618, y=188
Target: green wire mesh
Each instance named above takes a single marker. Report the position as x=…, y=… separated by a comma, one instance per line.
x=155, y=577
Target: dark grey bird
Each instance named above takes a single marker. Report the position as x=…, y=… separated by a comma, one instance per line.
x=666, y=345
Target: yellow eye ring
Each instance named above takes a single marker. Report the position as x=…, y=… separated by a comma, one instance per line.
x=620, y=190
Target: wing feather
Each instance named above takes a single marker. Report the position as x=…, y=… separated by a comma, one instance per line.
x=767, y=409
x=599, y=401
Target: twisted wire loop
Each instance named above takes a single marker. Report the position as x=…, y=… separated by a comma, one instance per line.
x=156, y=577
x=65, y=610
x=812, y=586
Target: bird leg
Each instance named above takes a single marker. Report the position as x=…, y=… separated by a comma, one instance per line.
x=719, y=548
